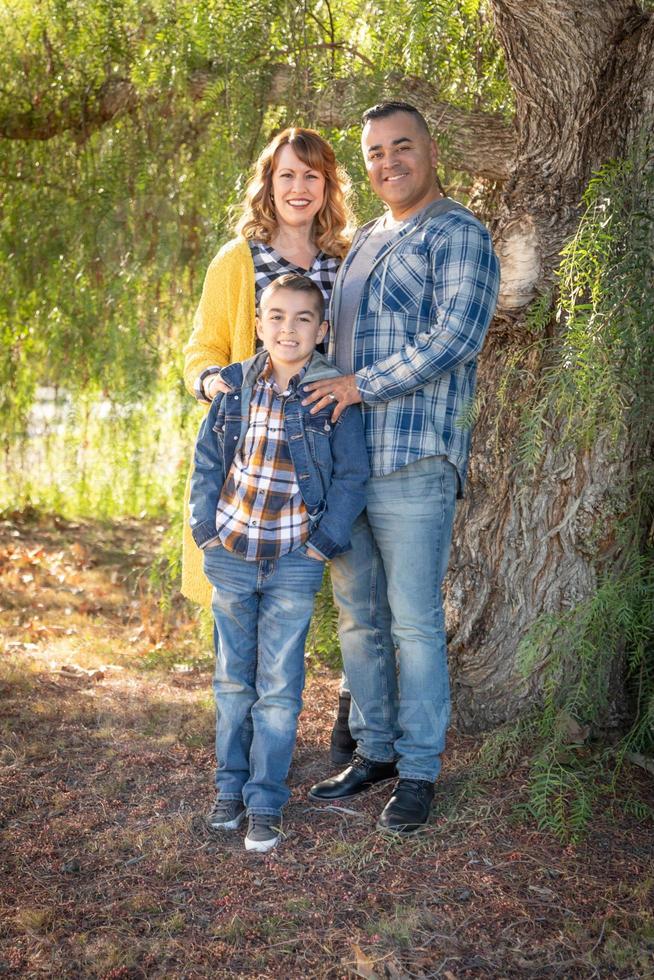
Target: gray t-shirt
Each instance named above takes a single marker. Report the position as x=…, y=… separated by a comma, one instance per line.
x=352, y=289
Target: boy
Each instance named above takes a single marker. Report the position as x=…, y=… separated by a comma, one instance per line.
x=274, y=494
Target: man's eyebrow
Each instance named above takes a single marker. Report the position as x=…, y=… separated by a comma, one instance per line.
x=400, y=139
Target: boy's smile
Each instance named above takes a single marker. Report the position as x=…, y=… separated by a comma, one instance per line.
x=289, y=326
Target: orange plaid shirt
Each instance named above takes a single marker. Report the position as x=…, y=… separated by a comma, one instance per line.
x=261, y=513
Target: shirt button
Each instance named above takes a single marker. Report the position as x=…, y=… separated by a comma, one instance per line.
x=253, y=523
x=235, y=438
x=235, y=398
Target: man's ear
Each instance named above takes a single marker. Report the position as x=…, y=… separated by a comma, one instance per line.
x=434, y=153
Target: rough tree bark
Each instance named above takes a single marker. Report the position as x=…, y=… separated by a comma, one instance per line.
x=583, y=75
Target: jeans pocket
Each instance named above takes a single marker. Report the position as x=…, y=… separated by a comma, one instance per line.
x=212, y=552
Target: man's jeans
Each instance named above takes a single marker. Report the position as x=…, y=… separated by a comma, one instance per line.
x=391, y=622
x=262, y=611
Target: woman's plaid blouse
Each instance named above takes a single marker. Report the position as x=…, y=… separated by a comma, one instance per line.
x=270, y=265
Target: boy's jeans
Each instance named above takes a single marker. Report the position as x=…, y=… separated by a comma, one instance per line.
x=262, y=611
x=391, y=622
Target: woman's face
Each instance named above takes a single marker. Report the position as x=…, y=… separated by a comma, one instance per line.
x=298, y=190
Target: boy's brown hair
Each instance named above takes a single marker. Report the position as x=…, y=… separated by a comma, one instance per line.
x=299, y=284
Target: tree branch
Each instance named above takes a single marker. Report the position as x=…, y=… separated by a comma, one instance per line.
x=479, y=143
x=115, y=97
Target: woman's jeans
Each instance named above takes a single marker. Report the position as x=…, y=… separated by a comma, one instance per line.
x=391, y=622
x=262, y=611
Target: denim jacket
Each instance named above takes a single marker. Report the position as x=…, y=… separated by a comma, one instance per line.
x=330, y=459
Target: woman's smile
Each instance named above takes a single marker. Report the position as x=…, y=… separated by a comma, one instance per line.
x=298, y=190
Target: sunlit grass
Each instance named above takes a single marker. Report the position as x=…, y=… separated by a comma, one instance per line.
x=94, y=458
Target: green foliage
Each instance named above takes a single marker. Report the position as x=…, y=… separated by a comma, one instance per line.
x=453, y=45
x=600, y=385
x=638, y=809
x=87, y=456
x=502, y=749
x=583, y=688
x=322, y=643
x=561, y=797
x=601, y=377
x=108, y=222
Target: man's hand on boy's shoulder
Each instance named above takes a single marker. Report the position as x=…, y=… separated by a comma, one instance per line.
x=339, y=391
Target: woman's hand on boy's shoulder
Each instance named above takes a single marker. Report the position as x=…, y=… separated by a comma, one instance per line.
x=339, y=391
x=215, y=385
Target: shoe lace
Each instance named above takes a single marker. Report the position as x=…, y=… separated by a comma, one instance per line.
x=264, y=821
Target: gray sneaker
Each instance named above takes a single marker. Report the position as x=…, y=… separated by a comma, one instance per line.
x=263, y=833
x=226, y=815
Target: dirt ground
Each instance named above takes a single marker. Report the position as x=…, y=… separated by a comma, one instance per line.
x=108, y=869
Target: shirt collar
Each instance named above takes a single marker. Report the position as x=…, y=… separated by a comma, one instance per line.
x=266, y=378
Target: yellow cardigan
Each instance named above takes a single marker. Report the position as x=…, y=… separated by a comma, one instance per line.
x=223, y=332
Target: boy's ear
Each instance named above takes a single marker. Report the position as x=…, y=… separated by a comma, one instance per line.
x=257, y=323
x=322, y=330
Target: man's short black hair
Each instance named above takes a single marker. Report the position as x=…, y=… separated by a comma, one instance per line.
x=299, y=284
x=384, y=109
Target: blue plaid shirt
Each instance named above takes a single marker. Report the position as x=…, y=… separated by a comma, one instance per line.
x=422, y=319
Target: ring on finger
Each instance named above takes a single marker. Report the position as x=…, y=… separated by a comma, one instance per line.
x=332, y=396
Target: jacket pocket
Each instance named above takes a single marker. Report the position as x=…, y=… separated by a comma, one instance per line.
x=219, y=435
x=320, y=449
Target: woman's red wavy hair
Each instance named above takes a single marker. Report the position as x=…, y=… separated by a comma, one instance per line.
x=333, y=225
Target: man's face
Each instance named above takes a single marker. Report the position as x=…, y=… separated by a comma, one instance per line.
x=400, y=159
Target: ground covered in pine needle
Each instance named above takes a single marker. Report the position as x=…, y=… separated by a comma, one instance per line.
x=108, y=869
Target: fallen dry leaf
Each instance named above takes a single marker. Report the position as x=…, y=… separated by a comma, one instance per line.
x=364, y=966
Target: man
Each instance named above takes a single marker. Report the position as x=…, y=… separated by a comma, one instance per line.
x=410, y=310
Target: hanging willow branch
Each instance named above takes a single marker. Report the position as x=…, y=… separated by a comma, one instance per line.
x=479, y=143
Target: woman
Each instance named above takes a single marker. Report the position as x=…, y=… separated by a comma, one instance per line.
x=295, y=219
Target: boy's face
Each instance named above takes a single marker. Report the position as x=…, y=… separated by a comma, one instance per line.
x=289, y=326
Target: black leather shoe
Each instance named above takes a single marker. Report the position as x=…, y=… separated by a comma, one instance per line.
x=342, y=745
x=408, y=809
x=359, y=776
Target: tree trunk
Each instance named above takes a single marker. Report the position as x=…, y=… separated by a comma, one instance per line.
x=583, y=74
